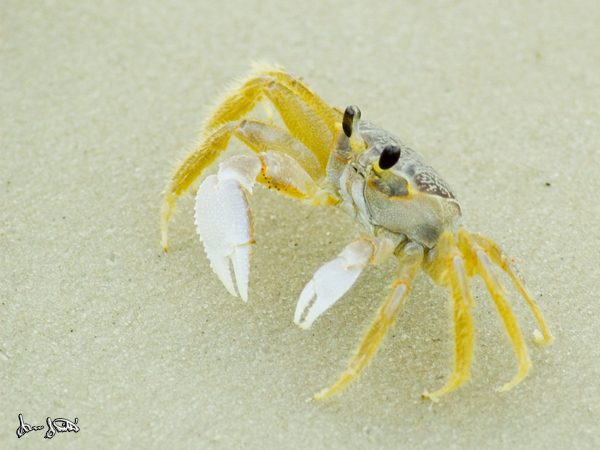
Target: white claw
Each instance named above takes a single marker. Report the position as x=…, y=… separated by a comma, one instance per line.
x=224, y=220
x=331, y=281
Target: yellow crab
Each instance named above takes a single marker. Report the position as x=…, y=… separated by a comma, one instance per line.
x=329, y=157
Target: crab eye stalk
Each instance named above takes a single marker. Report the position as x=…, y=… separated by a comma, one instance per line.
x=389, y=156
x=351, y=114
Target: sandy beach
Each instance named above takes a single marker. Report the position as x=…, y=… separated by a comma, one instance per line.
x=100, y=100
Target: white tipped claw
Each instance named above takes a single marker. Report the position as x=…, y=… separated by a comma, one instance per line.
x=331, y=281
x=224, y=221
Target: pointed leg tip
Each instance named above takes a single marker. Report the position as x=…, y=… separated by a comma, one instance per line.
x=321, y=395
x=434, y=398
x=506, y=387
x=542, y=339
x=517, y=379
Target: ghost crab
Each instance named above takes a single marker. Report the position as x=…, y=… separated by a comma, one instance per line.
x=325, y=156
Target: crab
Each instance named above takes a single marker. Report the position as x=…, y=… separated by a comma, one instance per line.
x=323, y=156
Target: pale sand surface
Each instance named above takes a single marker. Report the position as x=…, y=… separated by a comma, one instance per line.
x=98, y=100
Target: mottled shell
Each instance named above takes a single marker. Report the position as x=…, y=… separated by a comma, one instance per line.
x=410, y=199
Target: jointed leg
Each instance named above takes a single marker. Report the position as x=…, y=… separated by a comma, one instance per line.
x=448, y=268
x=242, y=99
x=410, y=261
x=190, y=169
x=481, y=265
x=502, y=260
x=452, y=267
x=309, y=119
x=264, y=137
x=259, y=136
x=303, y=122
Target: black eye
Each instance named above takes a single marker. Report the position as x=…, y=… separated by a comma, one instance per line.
x=351, y=113
x=389, y=156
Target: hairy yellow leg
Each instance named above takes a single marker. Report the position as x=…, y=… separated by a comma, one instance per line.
x=242, y=99
x=409, y=260
x=463, y=330
x=327, y=113
x=237, y=103
x=260, y=137
x=482, y=265
x=307, y=116
x=294, y=101
x=448, y=269
x=303, y=122
x=190, y=169
x=502, y=260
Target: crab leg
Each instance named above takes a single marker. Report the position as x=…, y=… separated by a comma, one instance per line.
x=242, y=99
x=482, y=265
x=448, y=269
x=410, y=261
x=501, y=259
x=260, y=137
x=304, y=123
x=190, y=169
x=264, y=137
x=309, y=119
x=333, y=279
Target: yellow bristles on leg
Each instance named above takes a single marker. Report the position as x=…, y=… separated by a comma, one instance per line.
x=410, y=261
x=203, y=156
x=502, y=260
x=483, y=266
x=463, y=326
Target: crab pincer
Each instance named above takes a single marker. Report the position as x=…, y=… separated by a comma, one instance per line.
x=224, y=220
x=333, y=279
